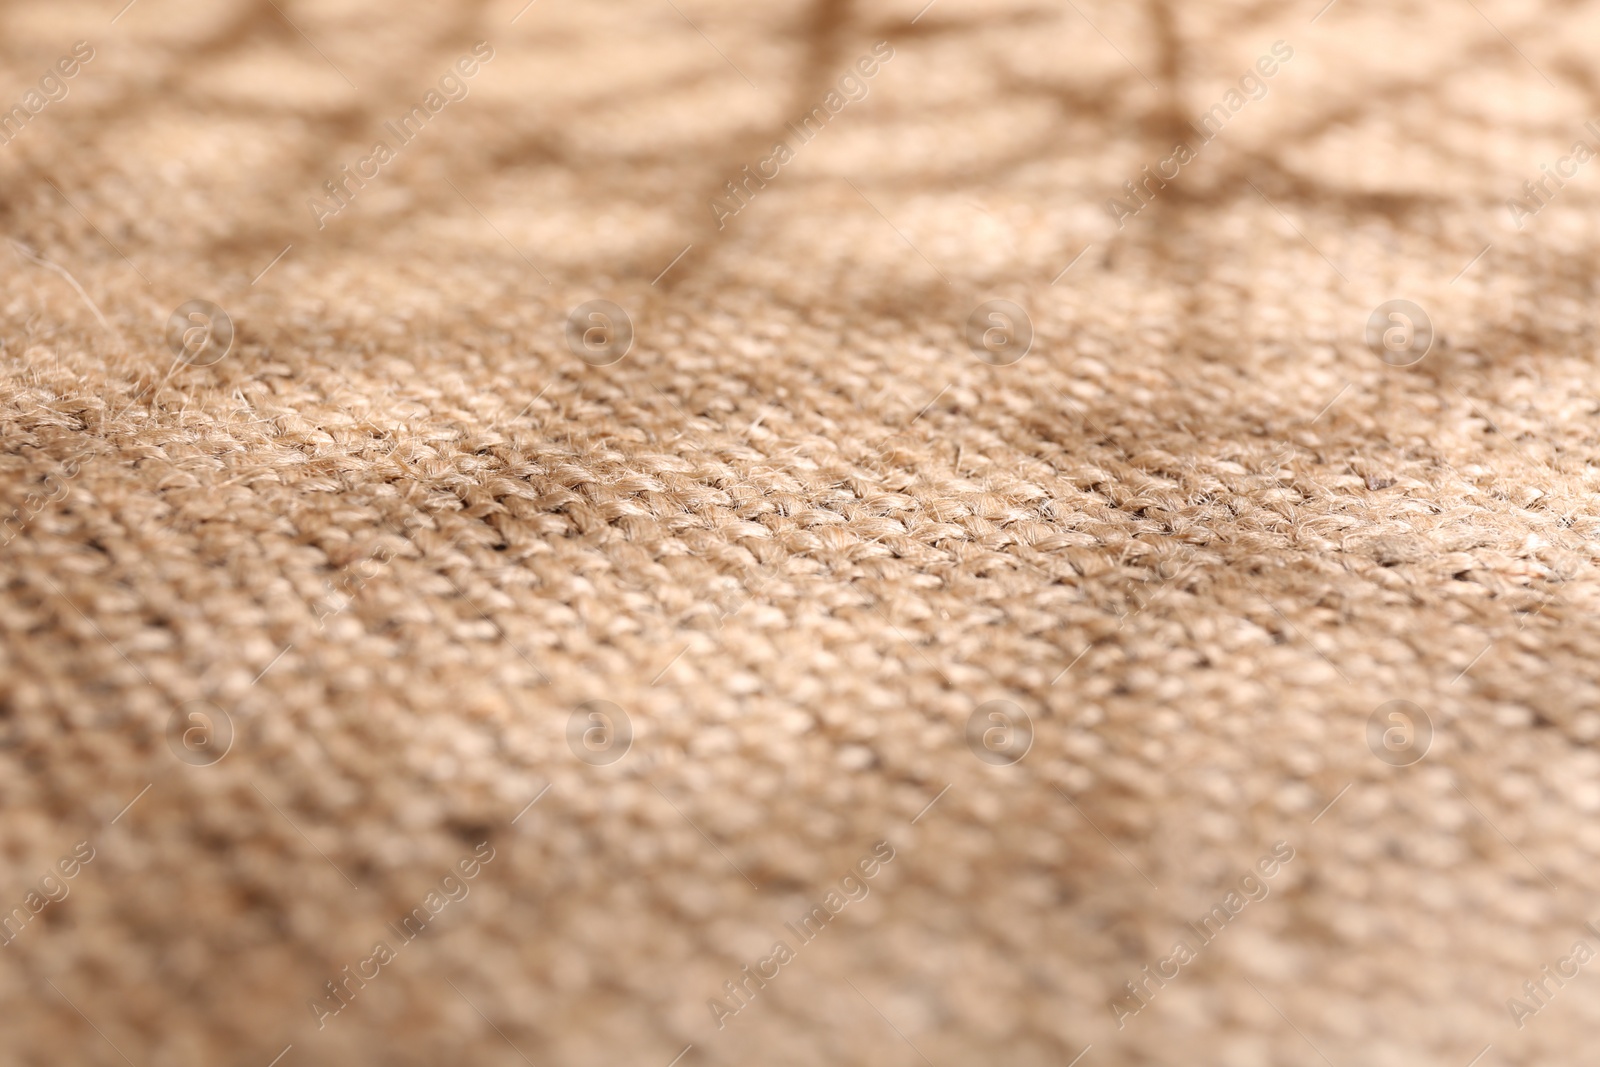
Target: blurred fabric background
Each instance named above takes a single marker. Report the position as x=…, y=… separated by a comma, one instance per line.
x=292, y=635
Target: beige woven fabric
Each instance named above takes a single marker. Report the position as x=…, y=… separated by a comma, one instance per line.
x=800, y=537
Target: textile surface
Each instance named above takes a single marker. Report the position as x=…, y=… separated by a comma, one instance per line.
x=380, y=600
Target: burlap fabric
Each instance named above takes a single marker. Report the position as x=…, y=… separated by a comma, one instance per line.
x=305, y=627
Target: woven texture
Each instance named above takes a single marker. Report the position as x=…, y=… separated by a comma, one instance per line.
x=799, y=537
